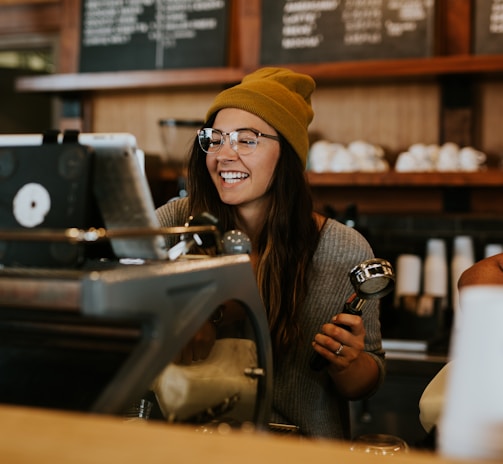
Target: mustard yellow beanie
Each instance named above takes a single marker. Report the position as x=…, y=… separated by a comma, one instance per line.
x=280, y=97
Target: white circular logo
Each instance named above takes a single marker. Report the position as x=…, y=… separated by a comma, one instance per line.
x=31, y=204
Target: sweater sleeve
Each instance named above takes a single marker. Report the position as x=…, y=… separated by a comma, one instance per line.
x=171, y=214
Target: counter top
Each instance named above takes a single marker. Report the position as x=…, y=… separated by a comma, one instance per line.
x=413, y=357
x=49, y=437
x=412, y=350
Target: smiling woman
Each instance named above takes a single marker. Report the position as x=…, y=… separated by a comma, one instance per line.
x=247, y=168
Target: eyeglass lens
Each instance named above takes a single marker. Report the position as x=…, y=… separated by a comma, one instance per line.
x=243, y=141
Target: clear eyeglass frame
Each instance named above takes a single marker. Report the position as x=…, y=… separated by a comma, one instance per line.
x=242, y=141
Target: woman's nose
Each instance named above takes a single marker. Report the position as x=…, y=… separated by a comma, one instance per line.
x=228, y=150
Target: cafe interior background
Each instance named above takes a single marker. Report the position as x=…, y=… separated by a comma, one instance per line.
x=381, y=128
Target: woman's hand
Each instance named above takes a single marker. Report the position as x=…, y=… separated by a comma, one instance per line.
x=353, y=371
x=199, y=346
x=339, y=345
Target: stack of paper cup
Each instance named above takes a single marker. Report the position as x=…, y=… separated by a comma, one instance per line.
x=492, y=249
x=435, y=268
x=435, y=277
x=462, y=258
x=408, y=277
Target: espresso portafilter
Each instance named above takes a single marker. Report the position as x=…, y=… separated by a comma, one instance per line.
x=372, y=279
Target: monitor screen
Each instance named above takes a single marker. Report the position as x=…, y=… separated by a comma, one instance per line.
x=41, y=185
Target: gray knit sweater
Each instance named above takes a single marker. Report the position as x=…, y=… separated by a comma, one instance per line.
x=300, y=396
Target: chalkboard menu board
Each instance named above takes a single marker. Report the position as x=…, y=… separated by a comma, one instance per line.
x=119, y=35
x=488, y=27
x=296, y=31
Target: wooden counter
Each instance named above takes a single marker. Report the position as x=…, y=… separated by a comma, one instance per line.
x=50, y=437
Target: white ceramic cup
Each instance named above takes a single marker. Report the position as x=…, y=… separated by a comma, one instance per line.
x=448, y=157
x=342, y=160
x=406, y=162
x=320, y=156
x=470, y=160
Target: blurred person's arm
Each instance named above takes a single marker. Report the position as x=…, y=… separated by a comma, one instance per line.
x=488, y=271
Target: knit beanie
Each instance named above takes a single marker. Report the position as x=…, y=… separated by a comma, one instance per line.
x=280, y=97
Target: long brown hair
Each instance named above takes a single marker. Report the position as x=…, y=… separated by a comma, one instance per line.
x=286, y=244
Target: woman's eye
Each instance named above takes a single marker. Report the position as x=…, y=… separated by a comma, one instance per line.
x=247, y=141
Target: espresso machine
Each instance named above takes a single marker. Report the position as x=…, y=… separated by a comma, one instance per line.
x=82, y=326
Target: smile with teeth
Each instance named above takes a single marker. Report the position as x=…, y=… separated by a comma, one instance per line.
x=233, y=177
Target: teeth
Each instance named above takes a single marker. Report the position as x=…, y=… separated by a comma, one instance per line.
x=233, y=176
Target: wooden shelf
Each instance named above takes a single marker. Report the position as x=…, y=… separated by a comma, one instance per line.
x=417, y=67
x=490, y=178
x=327, y=72
x=393, y=193
x=129, y=80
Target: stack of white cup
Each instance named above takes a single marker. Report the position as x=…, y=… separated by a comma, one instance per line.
x=408, y=281
x=492, y=249
x=463, y=257
x=436, y=275
x=419, y=287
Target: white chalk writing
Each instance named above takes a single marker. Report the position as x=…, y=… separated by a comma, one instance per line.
x=115, y=22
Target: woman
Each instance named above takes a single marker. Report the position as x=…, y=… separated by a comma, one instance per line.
x=247, y=168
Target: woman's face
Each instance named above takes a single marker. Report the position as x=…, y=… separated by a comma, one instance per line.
x=243, y=180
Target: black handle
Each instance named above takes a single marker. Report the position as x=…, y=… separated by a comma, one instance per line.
x=317, y=361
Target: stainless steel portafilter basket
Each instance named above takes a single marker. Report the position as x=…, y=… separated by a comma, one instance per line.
x=372, y=279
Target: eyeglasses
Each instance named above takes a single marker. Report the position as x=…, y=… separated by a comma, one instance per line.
x=242, y=141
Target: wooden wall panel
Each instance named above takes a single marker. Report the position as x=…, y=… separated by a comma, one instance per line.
x=70, y=37
x=453, y=35
x=247, y=33
x=139, y=112
x=26, y=2
x=393, y=116
x=490, y=119
x=18, y=18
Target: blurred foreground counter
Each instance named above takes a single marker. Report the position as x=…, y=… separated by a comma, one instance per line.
x=48, y=437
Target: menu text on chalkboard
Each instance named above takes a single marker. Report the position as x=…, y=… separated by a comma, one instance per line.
x=488, y=27
x=295, y=31
x=122, y=35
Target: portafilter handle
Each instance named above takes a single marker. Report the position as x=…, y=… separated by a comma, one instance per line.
x=372, y=279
